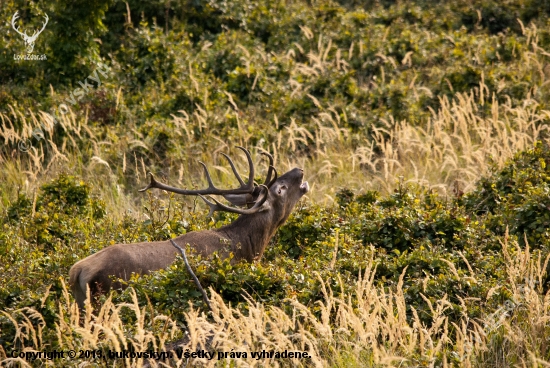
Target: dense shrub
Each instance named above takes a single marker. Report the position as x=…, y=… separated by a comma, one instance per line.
x=437, y=242
x=190, y=78
x=517, y=197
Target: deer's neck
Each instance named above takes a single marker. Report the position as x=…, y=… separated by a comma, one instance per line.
x=250, y=234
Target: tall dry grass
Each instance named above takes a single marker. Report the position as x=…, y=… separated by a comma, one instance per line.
x=369, y=327
x=454, y=149
x=456, y=146
x=450, y=150
x=31, y=157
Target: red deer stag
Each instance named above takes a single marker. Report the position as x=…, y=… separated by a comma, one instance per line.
x=267, y=207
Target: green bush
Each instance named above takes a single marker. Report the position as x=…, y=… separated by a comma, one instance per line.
x=441, y=246
x=229, y=70
x=516, y=197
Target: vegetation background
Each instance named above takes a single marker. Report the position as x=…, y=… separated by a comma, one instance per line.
x=421, y=125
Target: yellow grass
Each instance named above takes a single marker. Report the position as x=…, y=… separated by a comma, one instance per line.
x=366, y=328
x=455, y=147
x=449, y=151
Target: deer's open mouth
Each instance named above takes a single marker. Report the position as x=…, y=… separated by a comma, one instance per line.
x=304, y=187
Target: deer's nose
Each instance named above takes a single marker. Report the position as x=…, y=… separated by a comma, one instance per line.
x=297, y=172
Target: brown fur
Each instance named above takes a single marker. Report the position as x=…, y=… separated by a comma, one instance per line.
x=247, y=237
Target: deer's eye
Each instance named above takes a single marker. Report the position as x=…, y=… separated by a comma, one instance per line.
x=281, y=189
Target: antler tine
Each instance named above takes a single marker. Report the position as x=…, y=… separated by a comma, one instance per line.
x=13, y=19
x=274, y=177
x=208, y=178
x=250, y=184
x=234, y=170
x=268, y=178
x=47, y=19
x=43, y=26
x=152, y=184
x=217, y=206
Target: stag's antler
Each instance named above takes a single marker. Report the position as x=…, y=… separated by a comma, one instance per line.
x=268, y=181
x=248, y=194
x=36, y=33
x=217, y=206
x=243, y=189
x=13, y=19
x=251, y=198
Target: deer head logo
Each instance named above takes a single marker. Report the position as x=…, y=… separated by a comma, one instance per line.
x=29, y=40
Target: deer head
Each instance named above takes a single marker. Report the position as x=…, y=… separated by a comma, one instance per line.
x=263, y=208
x=29, y=40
